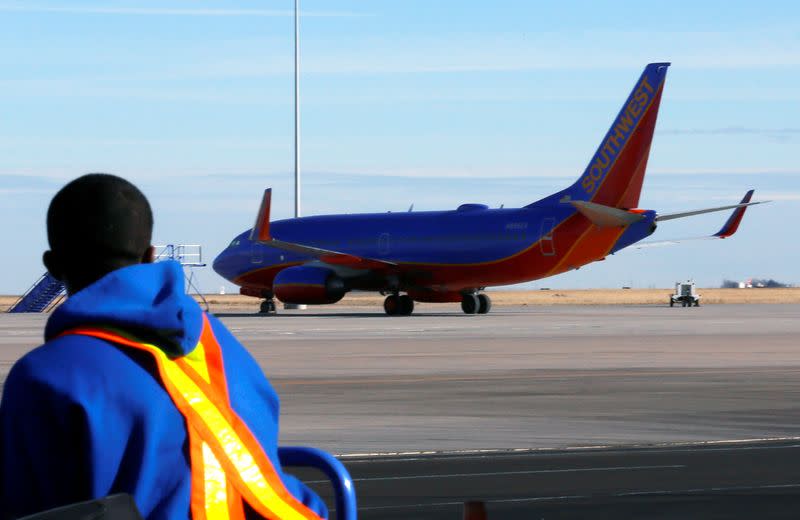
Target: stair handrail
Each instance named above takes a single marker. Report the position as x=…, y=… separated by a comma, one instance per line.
x=188, y=255
x=56, y=301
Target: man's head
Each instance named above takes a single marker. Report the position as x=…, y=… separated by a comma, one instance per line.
x=96, y=224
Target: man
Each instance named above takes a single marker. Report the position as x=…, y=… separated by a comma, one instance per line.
x=136, y=389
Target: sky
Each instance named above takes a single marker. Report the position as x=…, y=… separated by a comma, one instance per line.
x=403, y=102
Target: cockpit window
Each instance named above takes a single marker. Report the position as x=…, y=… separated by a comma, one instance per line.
x=234, y=243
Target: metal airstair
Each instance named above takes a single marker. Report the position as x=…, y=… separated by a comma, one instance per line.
x=190, y=256
x=46, y=293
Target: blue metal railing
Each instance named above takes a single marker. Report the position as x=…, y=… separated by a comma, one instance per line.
x=343, y=488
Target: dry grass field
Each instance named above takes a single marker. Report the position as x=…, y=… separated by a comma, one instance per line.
x=550, y=297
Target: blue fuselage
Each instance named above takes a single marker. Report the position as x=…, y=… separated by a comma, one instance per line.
x=453, y=250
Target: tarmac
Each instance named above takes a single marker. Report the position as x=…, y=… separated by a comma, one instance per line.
x=444, y=386
x=725, y=480
x=523, y=377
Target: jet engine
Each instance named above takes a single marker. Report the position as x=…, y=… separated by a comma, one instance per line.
x=308, y=285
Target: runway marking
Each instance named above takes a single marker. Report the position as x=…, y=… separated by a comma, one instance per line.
x=503, y=473
x=562, y=375
x=443, y=504
x=713, y=445
x=579, y=497
x=707, y=490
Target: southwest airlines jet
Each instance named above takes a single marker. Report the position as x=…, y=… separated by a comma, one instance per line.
x=452, y=256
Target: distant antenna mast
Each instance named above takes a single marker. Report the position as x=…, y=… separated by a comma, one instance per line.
x=296, y=108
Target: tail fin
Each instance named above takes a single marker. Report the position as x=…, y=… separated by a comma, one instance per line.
x=616, y=171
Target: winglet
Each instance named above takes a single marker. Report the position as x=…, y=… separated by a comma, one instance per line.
x=260, y=232
x=735, y=219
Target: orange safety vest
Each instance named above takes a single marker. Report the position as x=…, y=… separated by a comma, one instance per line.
x=228, y=463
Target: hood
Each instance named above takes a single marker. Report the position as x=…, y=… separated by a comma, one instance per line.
x=146, y=300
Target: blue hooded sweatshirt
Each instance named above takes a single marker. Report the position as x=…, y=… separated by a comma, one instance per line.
x=82, y=418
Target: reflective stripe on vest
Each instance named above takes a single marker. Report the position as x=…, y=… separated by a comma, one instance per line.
x=228, y=463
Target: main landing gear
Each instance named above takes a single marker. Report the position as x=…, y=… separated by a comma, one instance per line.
x=398, y=305
x=476, y=303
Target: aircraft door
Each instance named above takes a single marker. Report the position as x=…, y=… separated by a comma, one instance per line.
x=256, y=254
x=546, y=242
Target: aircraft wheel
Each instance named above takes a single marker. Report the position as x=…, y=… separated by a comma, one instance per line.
x=484, y=304
x=268, y=307
x=391, y=305
x=697, y=303
x=405, y=305
x=671, y=302
x=470, y=304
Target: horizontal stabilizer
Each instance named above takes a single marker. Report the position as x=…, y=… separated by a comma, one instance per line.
x=606, y=216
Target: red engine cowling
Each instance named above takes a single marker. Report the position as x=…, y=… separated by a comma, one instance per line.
x=308, y=285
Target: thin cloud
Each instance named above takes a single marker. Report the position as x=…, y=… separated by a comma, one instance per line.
x=733, y=130
x=722, y=171
x=16, y=184
x=781, y=197
x=171, y=11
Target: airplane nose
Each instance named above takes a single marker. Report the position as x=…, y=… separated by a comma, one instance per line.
x=222, y=264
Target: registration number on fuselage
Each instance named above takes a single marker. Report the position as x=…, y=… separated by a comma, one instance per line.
x=517, y=225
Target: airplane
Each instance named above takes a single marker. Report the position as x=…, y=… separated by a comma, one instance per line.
x=453, y=255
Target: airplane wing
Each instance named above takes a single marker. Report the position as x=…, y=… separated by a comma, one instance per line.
x=261, y=234
x=730, y=227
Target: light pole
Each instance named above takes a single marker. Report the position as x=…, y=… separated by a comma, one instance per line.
x=296, y=108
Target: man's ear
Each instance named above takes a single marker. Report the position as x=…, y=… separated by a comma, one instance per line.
x=50, y=261
x=149, y=256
